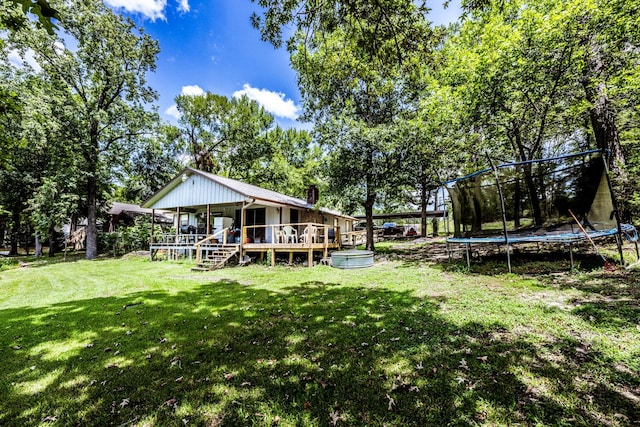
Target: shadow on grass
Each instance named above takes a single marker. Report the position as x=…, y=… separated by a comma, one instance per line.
x=313, y=354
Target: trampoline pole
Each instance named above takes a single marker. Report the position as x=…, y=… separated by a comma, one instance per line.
x=571, y=255
x=614, y=202
x=504, y=212
x=468, y=247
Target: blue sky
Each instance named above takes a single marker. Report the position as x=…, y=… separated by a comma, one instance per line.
x=211, y=46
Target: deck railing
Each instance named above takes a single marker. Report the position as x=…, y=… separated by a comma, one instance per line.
x=359, y=237
x=176, y=239
x=303, y=234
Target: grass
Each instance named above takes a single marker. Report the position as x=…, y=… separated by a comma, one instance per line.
x=130, y=342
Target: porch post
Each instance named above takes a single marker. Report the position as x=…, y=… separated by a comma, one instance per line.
x=178, y=221
x=326, y=241
x=153, y=217
x=209, y=220
x=153, y=223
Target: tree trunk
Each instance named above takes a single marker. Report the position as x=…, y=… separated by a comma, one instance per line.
x=603, y=121
x=476, y=198
x=52, y=242
x=533, y=196
x=368, y=211
x=456, y=203
x=369, y=201
x=601, y=113
x=38, y=252
x=3, y=227
x=516, y=200
x=14, y=236
x=528, y=179
x=92, y=214
x=424, y=200
x=434, y=222
x=91, y=156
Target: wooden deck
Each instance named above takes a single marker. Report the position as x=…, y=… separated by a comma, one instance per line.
x=291, y=248
x=313, y=239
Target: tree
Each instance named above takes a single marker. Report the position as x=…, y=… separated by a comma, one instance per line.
x=517, y=65
x=610, y=41
x=358, y=66
x=104, y=77
x=223, y=135
x=292, y=165
x=546, y=76
x=235, y=137
x=156, y=159
x=433, y=146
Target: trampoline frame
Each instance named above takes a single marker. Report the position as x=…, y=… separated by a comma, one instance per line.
x=569, y=238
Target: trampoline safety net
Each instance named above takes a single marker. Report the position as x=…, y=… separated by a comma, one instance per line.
x=565, y=199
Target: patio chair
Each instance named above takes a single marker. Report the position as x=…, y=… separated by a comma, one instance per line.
x=309, y=231
x=290, y=234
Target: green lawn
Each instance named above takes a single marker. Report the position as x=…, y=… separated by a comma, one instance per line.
x=135, y=343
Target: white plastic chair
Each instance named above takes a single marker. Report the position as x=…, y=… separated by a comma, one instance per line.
x=309, y=231
x=290, y=234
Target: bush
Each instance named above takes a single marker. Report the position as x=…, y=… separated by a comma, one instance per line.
x=8, y=263
x=130, y=238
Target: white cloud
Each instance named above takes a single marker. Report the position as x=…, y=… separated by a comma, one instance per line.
x=193, y=90
x=273, y=102
x=183, y=6
x=173, y=112
x=152, y=9
x=19, y=61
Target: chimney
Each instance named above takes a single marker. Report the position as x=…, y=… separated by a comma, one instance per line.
x=312, y=195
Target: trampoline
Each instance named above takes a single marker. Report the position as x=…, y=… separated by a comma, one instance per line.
x=565, y=199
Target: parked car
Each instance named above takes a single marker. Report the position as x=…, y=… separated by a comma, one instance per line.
x=391, y=229
x=362, y=225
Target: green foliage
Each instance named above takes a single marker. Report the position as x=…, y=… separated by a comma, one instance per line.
x=359, y=67
x=223, y=135
x=104, y=94
x=129, y=238
x=154, y=160
x=52, y=204
x=6, y=263
x=235, y=137
x=40, y=8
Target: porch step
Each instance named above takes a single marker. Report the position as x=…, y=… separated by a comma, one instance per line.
x=215, y=258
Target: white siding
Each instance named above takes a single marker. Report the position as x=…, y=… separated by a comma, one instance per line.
x=197, y=191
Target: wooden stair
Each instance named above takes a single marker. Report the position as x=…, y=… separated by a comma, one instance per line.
x=216, y=257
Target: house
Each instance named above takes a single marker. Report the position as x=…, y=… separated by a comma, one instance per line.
x=216, y=218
